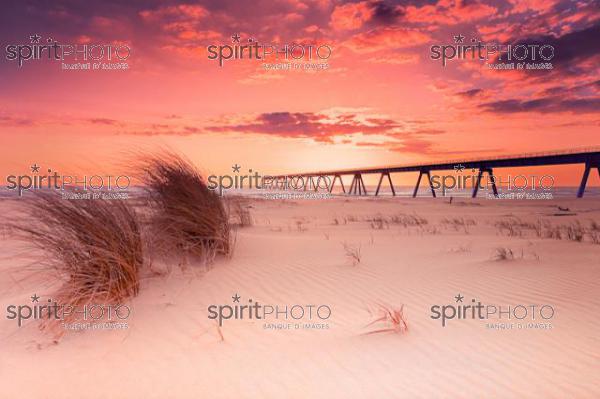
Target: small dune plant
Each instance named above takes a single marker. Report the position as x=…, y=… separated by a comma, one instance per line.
x=378, y=223
x=575, y=232
x=390, y=319
x=457, y=224
x=352, y=252
x=186, y=218
x=239, y=212
x=503, y=254
x=594, y=232
x=408, y=220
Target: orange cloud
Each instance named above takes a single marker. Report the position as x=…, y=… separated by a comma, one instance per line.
x=181, y=11
x=386, y=38
x=351, y=15
x=449, y=12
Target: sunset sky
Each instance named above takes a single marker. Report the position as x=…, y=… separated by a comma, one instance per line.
x=382, y=100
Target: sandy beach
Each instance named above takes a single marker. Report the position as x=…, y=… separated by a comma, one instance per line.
x=304, y=199
x=294, y=254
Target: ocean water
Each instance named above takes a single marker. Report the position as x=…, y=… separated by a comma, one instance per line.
x=401, y=191
x=407, y=191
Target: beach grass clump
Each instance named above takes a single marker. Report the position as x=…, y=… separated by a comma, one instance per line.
x=378, y=223
x=391, y=318
x=239, y=212
x=459, y=223
x=544, y=229
x=594, y=232
x=94, y=246
x=511, y=227
x=503, y=254
x=353, y=253
x=408, y=220
x=552, y=232
x=339, y=221
x=575, y=232
x=187, y=217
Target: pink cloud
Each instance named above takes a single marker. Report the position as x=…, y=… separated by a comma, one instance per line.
x=187, y=31
x=395, y=59
x=538, y=6
x=316, y=126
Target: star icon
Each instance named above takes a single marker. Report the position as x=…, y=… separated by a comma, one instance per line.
x=235, y=38
x=35, y=168
x=459, y=168
x=35, y=298
x=35, y=38
x=236, y=168
x=236, y=297
x=459, y=298
x=459, y=39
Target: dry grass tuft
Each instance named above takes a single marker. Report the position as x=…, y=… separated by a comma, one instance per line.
x=239, y=212
x=94, y=246
x=352, y=252
x=186, y=215
x=502, y=254
x=459, y=223
x=392, y=318
x=337, y=222
x=594, y=232
x=300, y=225
x=512, y=227
x=574, y=231
x=408, y=220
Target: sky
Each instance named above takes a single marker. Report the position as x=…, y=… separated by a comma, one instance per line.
x=381, y=100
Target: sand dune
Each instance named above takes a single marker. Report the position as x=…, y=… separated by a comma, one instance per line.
x=294, y=255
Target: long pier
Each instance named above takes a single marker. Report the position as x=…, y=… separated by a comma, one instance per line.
x=588, y=157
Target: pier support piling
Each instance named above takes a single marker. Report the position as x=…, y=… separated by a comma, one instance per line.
x=389, y=179
x=490, y=172
x=333, y=183
x=584, y=178
x=363, y=184
x=358, y=185
x=421, y=173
